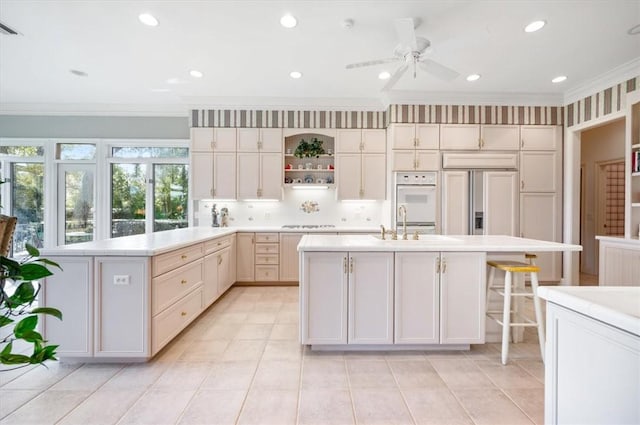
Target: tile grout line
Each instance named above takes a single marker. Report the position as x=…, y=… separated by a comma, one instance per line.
x=353, y=402
x=395, y=379
x=453, y=394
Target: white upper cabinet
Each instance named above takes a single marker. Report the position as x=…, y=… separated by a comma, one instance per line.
x=500, y=137
x=373, y=176
x=539, y=171
x=207, y=139
x=248, y=175
x=460, y=136
x=455, y=203
x=361, y=176
x=415, y=136
x=260, y=139
x=202, y=175
x=356, y=140
x=224, y=175
x=271, y=176
x=501, y=203
x=540, y=137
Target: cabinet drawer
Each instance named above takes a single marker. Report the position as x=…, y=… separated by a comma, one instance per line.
x=170, y=287
x=266, y=273
x=172, y=260
x=267, y=248
x=216, y=244
x=266, y=237
x=170, y=322
x=266, y=259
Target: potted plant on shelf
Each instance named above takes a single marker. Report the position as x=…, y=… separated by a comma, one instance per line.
x=309, y=149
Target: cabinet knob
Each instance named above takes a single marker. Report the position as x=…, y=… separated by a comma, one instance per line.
x=444, y=266
x=183, y=257
x=522, y=184
x=183, y=313
x=219, y=259
x=183, y=281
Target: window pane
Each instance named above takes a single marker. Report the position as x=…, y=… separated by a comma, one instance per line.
x=149, y=152
x=27, y=189
x=78, y=202
x=128, y=191
x=170, y=196
x=25, y=151
x=76, y=151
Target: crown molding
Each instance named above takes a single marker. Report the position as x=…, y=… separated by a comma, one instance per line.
x=283, y=103
x=94, y=109
x=407, y=97
x=610, y=78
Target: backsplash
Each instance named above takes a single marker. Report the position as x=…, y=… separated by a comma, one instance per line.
x=289, y=211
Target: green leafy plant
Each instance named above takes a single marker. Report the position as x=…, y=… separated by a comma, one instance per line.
x=19, y=289
x=309, y=149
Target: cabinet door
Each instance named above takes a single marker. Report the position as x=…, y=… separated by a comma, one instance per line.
x=248, y=175
x=460, y=136
x=245, y=253
x=248, y=139
x=348, y=141
x=271, y=139
x=224, y=175
x=540, y=137
x=224, y=140
x=202, y=169
x=539, y=171
x=428, y=136
x=373, y=176
x=348, y=174
x=289, y=264
x=271, y=176
x=417, y=306
x=500, y=137
x=370, y=298
x=455, y=203
x=224, y=279
x=403, y=136
x=323, y=292
x=232, y=259
x=501, y=203
x=374, y=141
x=403, y=160
x=619, y=265
x=427, y=160
x=540, y=219
x=202, y=139
x=210, y=290
x=462, y=297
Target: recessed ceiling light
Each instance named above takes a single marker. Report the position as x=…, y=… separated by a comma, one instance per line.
x=535, y=26
x=148, y=19
x=295, y=74
x=195, y=73
x=384, y=75
x=78, y=73
x=288, y=21
x=473, y=77
x=559, y=79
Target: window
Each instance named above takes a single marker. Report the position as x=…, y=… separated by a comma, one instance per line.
x=75, y=151
x=149, y=189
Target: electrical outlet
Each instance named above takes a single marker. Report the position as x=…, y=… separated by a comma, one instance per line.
x=121, y=279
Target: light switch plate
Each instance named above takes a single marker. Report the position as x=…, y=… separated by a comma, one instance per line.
x=121, y=279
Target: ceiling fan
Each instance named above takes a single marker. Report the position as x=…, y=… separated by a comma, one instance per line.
x=412, y=50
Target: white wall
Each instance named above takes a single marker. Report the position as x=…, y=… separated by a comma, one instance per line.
x=288, y=211
x=602, y=143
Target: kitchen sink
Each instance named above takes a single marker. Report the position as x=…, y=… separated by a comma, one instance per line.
x=423, y=238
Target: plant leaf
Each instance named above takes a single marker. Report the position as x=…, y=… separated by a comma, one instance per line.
x=32, y=336
x=24, y=294
x=48, y=310
x=7, y=349
x=32, y=271
x=25, y=325
x=4, y=321
x=32, y=250
x=14, y=359
x=49, y=262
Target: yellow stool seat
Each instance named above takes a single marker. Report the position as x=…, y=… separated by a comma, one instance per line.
x=514, y=266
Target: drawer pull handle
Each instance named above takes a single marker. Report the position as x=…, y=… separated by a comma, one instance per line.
x=219, y=243
x=183, y=256
x=219, y=260
x=184, y=313
x=183, y=281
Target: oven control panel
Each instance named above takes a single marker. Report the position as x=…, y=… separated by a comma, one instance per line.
x=427, y=178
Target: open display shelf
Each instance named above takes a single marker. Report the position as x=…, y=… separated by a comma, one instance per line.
x=310, y=171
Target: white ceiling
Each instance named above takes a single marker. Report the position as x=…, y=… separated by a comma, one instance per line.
x=246, y=56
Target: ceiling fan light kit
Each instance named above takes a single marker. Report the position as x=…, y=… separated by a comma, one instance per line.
x=412, y=50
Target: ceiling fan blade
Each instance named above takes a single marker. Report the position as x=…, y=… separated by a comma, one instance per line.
x=373, y=62
x=406, y=33
x=395, y=77
x=438, y=70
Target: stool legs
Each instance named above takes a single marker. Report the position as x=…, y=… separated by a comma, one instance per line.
x=506, y=317
x=538, y=308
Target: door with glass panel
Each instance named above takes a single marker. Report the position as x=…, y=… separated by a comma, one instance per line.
x=76, y=203
x=27, y=204
x=170, y=190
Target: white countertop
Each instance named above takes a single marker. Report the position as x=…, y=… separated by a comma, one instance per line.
x=617, y=306
x=159, y=242
x=633, y=241
x=493, y=243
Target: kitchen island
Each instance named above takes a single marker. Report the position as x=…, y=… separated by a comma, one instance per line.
x=362, y=292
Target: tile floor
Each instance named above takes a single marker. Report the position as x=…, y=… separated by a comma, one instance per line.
x=241, y=363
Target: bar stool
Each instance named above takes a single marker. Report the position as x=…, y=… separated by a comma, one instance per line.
x=510, y=289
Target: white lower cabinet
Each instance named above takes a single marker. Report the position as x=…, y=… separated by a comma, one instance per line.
x=245, y=257
x=289, y=264
x=379, y=298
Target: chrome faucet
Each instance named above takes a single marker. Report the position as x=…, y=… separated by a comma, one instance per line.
x=402, y=210
x=383, y=231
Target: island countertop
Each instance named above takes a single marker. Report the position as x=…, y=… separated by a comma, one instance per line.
x=451, y=243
